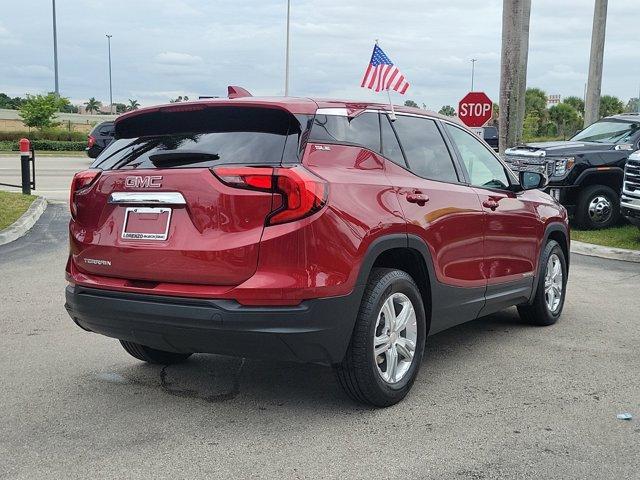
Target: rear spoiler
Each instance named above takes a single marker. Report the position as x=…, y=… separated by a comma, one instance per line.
x=190, y=119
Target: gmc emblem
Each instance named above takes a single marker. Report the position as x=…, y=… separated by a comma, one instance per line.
x=153, y=181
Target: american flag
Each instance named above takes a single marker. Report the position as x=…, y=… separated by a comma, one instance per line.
x=382, y=74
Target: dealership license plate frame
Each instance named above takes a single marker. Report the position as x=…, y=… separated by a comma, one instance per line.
x=142, y=236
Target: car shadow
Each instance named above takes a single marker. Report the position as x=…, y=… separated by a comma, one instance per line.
x=218, y=379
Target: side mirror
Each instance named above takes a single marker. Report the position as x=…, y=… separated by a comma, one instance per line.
x=532, y=180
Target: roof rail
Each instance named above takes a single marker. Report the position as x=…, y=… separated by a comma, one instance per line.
x=237, y=92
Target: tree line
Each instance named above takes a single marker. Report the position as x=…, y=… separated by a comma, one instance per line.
x=561, y=120
x=567, y=117
x=38, y=111
x=63, y=104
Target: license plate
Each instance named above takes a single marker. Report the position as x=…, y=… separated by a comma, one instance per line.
x=146, y=223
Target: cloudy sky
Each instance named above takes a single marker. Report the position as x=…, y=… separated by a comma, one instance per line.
x=165, y=48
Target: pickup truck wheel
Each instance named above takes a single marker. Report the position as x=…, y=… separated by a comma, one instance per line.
x=151, y=355
x=551, y=290
x=386, y=348
x=598, y=207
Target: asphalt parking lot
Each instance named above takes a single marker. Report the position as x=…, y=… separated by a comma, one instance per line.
x=494, y=399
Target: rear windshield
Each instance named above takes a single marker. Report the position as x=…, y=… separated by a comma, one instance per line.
x=205, y=138
x=103, y=128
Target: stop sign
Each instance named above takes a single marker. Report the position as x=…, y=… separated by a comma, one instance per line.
x=475, y=109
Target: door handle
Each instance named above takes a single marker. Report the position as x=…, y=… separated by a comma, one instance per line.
x=417, y=197
x=492, y=204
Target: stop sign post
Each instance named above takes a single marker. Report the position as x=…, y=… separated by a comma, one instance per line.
x=475, y=109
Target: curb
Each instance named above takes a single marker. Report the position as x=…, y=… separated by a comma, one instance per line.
x=592, y=250
x=21, y=226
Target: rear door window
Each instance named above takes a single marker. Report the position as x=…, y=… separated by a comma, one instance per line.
x=425, y=149
x=362, y=130
x=204, y=138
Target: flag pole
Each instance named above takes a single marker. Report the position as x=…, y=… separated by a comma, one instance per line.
x=392, y=117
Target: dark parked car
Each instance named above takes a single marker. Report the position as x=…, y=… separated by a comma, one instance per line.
x=101, y=136
x=490, y=135
x=308, y=230
x=585, y=172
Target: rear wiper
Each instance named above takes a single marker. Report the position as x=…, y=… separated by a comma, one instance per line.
x=180, y=157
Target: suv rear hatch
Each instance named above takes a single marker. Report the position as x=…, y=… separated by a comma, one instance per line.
x=156, y=210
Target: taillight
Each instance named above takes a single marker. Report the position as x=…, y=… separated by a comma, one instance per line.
x=81, y=181
x=303, y=193
x=91, y=141
x=254, y=178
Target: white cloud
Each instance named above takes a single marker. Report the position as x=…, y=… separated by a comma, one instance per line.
x=7, y=38
x=176, y=58
x=179, y=8
x=32, y=71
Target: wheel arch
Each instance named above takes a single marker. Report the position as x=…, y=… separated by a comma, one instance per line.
x=608, y=176
x=558, y=232
x=403, y=252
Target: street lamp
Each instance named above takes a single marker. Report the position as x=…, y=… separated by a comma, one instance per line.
x=473, y=68
x=110, y=86
x=55, y=48
x=286, y=65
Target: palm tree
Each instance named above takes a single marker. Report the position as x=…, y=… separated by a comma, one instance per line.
x=133, y=105
x=93, y=105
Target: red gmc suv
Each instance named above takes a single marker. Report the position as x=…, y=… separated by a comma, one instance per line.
x=319, y=231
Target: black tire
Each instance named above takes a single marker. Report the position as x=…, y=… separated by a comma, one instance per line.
x=151, y=355
x=587, y=219
x=358, y=373
x=538, y=313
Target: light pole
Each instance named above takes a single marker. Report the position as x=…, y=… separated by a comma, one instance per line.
x=286, y=65
x=110, y=85
x=473, y=68
x=55, y=48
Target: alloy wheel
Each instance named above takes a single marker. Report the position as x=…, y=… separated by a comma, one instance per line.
x=395, y=337
x=553, y=285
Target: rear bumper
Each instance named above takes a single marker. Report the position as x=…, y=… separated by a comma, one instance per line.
x=316, y=331
x=93, y=152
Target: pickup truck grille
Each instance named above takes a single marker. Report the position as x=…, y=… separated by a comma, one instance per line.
x=631, y=183
x=519, y=163
x=630, y=199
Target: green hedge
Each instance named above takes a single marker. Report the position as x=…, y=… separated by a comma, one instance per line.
x=46, y=145
x=55, y=134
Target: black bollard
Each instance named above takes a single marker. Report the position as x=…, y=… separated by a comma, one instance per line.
x=25, y=156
